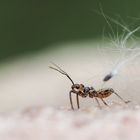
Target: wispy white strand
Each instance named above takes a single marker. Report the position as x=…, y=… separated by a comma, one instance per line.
x=127, y=54
x=120, y=42
x=123, y=63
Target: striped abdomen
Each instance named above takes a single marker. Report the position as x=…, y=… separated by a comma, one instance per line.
x=103, y=93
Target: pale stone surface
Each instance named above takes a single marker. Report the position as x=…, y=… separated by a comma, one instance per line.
x=116, y=122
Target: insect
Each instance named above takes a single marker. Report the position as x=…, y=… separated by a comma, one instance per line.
x=84, y=91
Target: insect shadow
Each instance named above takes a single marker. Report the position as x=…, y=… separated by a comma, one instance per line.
x=84, y=91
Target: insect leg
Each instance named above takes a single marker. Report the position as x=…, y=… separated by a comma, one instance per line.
x=77, y=98
x=98, y=102
x=71, y=100
x=104, y=102
x=121, y=98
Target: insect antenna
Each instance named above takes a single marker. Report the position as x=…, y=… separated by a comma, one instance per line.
x=61, y=71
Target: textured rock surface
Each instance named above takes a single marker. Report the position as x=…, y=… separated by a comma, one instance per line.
x=116, y=122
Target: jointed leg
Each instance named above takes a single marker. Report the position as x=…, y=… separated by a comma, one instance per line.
x=77, y=98
x=104, y=102
x=97, y=102
x=121, y=98
x=71, y=100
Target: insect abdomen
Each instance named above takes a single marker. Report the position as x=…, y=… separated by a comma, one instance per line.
x=103, y=94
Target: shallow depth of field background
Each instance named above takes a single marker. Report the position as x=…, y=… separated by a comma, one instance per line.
x=33, y=33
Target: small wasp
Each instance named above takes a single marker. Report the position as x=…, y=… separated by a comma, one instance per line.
x=83, y=91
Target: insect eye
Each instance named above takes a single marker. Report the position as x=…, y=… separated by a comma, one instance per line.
x=77, y=87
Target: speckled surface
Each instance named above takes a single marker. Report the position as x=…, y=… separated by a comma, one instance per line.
x=116, y=122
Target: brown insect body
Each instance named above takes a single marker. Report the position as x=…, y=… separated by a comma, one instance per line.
x=79, y=89
x=104, y=93
x=83, y=91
